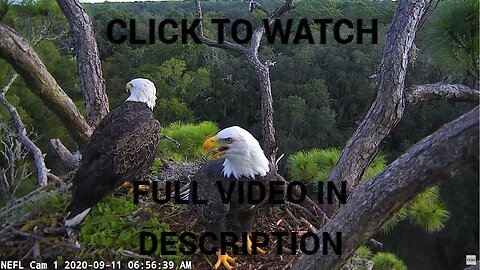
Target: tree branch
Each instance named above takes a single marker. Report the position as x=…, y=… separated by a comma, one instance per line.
x=260, y=29
x=88, y=61
x=457, y=92
x=25, y=61
x=430, y=161
x=261, y=71
x=70, y=160
x=22, y=135
x=389, y=105
x=225, y=45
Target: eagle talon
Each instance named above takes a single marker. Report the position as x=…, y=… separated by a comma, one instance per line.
x=226, y=260
x=129, y=186
x=249, y=247
x=145, y=187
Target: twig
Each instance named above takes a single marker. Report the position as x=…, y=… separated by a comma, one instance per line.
x=302, y=209
x=225, y=45
x=32, y=197
x=257, y=5
x=9, y=84
x=55, y=231
x=22, y=135
x=131, y=254
x=30, y=235
x=170, y=139
x=376, y=244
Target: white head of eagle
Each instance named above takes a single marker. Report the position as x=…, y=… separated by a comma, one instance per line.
x=242, y=152
x=142, y=90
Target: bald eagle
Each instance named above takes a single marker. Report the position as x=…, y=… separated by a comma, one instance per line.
x=122, y=147
x=237, y=156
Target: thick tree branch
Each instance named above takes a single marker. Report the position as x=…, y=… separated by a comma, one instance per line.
x=457, y=92
x=88, y=61
x=25, y=61
x=427, y=163
x=23, y=138
x=389, y=105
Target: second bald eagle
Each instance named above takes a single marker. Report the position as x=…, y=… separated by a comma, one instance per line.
x=122, y=147
x=242, y=159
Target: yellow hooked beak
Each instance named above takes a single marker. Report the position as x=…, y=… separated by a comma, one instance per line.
x=128, y=87
x=214, y=147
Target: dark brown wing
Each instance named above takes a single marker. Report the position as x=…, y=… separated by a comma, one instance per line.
x=213, y=213
x=217, y=216
x=133, y=154
x=122, y=146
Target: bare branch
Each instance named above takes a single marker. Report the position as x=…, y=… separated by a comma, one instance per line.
x=263, y=74
x=430, y=161
x=170, y=139
x=9, y=84
x=25, y=61
x=70, y=160
x=88, y=61
x=22, y=136
x=225, y=45
x=260, y=29
x=458, y=92
x=261, y=71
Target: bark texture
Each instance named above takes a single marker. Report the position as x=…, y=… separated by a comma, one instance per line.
x=88, y=61
x=389, y=105
x=25, y=61
x=457, y=92
x=23, y=137
x=430, y=161
x=70, y=160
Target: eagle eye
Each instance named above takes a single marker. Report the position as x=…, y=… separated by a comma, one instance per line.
x=229, y=140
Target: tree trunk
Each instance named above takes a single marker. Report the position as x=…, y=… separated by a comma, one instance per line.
x=266, y=100
x=374, y=202
x=389, y=105
x=88, y=61
x=25, y=61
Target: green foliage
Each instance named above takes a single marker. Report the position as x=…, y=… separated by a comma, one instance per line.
x=378, y=164
x=37, y=20
x=428, y=211
x=190, y=137
x=387, y=261
x=157, y=163
x=363, y=252
x=455, y=34
x=395, y=220
x=315, y=165
x=115, y=223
